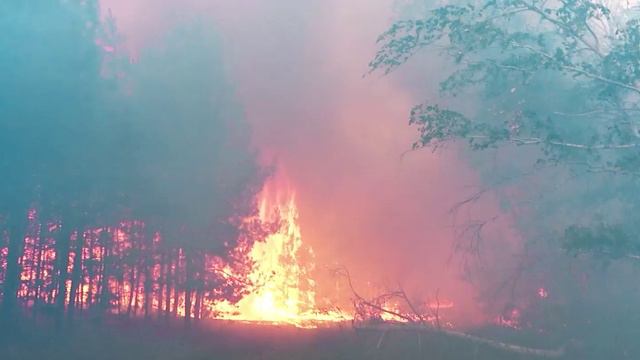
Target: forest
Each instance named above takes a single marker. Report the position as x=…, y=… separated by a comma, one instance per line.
x=374, y=180
x=83, y=227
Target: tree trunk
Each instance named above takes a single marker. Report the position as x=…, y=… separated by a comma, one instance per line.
x=120, y=291
x=133, y=281
x=176, y=283
x=136, y=295
x=42, y=236
x=104, y=292
x=91, y=271
x=148, y=263
x=39, y=281
x=161, y=282
x=76, y=274
x=17, y=228
x=198, y=305
x=62, y=263
x=188, y=288
x=168, y=282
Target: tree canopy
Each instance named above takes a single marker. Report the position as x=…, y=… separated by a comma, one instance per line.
x=97, y=151
x=556, y=84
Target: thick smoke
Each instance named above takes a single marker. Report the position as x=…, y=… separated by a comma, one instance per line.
x=563, y=201
x=111, y=161
x=193, y=155
x=90, y=139
x=338, y=137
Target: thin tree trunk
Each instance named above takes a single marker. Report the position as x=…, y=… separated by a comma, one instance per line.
x=17, y=228
x=161, y=281
x=169, y=283
x=120, y=291
x=39, y=281
x=188, y=288
x=29, y=262
x=62, y=257
x=176, y=282
x=104, y=291
x=198, y=305
x=76, y=273
x=133, y=281
x=136, y=302
x=91, y=270
x=148, y=263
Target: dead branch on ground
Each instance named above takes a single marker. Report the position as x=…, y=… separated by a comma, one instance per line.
x=419, y=323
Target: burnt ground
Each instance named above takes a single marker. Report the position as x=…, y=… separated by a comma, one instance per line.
x=137, y=339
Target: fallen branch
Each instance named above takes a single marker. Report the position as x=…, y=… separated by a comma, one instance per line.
x=523, y=350
x=417, y=324
x=372, y=304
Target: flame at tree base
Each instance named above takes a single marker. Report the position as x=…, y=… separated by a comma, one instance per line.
x=282, y=290
x=281, y=287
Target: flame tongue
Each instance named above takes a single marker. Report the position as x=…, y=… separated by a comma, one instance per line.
x=284, y=291
x=277, y=271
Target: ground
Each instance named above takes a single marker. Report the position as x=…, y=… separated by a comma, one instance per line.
x=159, y=339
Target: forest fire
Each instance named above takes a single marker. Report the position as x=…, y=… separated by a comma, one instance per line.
x=132, y=270
x=283, y=290
x=390, y=179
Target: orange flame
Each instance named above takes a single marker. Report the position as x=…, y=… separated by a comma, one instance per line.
x=283, y=291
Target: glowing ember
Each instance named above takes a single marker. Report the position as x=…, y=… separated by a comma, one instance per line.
x=543, y=293
x=510, y=318
x=283, y=291
x=394, y=308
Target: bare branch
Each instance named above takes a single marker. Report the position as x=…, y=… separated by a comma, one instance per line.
x=344, y=272
x=532, y=141
x=537, y=141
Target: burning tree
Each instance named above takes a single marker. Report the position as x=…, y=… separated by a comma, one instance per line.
x=196, y=177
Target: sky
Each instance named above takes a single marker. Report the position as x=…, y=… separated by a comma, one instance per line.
x=337, y=136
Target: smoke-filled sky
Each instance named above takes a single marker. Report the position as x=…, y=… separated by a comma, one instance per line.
x=337, y=137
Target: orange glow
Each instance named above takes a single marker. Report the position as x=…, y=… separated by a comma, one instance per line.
x=282, y=289
x=510, y=318
x=543, y=293
x=268, y=277
x=393, y=308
